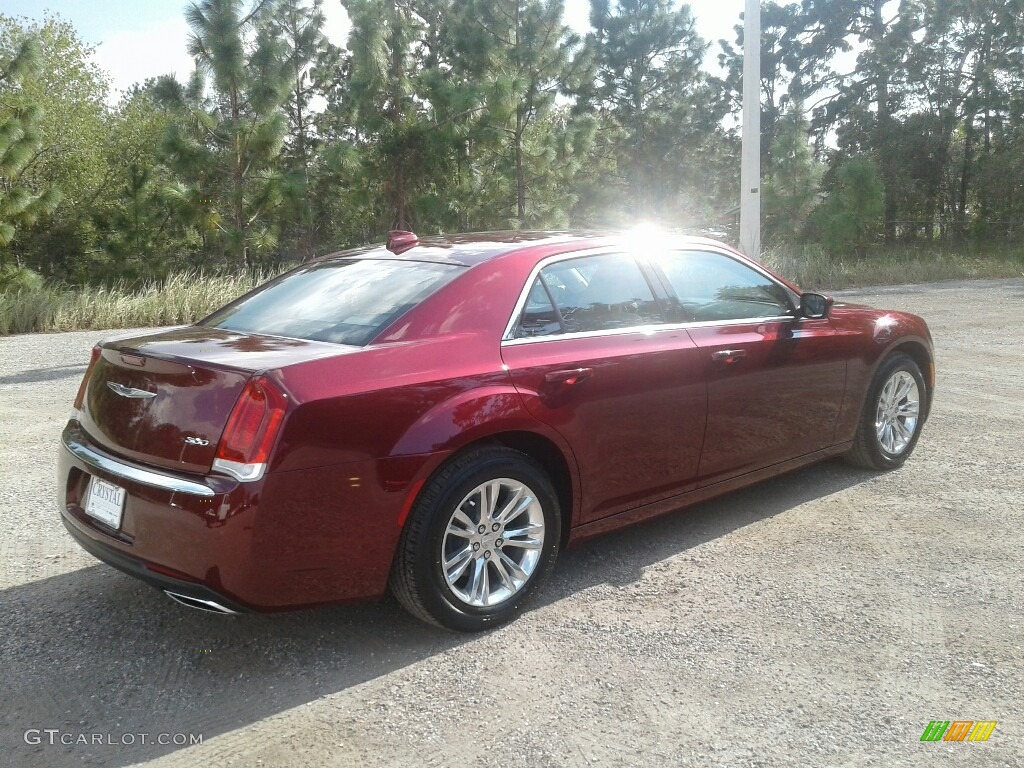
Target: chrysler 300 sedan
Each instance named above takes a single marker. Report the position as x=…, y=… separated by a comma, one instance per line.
x=440, y=416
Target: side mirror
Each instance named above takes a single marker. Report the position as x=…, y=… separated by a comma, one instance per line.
x=815, y=305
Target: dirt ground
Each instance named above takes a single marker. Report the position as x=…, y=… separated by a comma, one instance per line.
x=820, y=619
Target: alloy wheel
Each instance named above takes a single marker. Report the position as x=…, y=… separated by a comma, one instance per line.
x=492, y=542
x=897, y=412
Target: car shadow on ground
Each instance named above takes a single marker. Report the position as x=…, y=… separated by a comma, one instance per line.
x=96, y=652
x=620, y=557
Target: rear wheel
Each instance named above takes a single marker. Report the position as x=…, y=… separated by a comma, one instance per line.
x=891, y=421
x=480, y=540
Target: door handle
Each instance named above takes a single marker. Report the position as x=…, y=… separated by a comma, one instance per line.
x=728, y=355
x=569, y=377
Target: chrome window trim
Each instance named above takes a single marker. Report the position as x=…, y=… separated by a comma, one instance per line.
x=647, y=329
x=509, y=336
x=148, y=477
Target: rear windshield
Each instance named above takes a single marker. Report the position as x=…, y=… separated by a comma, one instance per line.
x=345, y=301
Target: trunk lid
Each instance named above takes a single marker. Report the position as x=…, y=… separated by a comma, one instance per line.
x=165, y=398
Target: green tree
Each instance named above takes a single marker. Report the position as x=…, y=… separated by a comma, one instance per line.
x=385, y=111
x=134, y=223
x=63, y=99
x=312, y=63
x=524, y=51
x=963, y=74
x=849, y=219
x=226, y=146
x=792, y=178
x=865, y=102
x=19, y=141
x=650, y=86
x=140, y=230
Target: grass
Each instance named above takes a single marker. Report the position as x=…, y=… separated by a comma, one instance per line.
x=35, y=306
x=181, y=298
x=812, y=268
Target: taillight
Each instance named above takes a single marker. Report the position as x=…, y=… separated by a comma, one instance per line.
x=80, y=397
x=251, y=430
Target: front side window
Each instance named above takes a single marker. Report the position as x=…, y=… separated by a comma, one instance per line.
x=712, y=286
x=348, y=301
x=590, y=293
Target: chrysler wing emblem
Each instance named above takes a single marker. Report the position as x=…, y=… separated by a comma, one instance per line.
x=135, y=394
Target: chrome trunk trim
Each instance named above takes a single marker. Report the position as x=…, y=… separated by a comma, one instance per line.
x=134, y=473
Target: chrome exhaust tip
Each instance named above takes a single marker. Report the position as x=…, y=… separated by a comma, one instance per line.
x=200, y=605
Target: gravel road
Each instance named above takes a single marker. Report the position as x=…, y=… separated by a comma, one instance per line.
x=820, y=619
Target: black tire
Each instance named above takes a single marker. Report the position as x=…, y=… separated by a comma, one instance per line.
x=417, y=577
x=868, y=451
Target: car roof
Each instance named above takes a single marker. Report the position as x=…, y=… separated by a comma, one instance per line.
x=475, y=248
x=465, y=249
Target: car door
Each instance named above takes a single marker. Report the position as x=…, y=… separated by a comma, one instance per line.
x=775, y=381
x=591, y=355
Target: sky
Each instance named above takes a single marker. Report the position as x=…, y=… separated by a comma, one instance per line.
x=136, y=39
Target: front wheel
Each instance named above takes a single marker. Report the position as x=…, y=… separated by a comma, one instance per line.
x=480, y=540
x=891, y=422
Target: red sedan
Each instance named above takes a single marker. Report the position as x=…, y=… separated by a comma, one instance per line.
x=441, y=416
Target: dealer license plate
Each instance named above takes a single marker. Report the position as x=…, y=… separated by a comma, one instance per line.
x=105, y=502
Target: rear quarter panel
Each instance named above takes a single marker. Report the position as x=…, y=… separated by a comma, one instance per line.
x=363, y=407
x=429, y=385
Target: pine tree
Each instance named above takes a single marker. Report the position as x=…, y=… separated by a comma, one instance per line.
x=649, y=84
x=850, y=217
x=523, y=53
x=792, y=178
x=384, y=106
x=227, y=146
x=311, y=65
x=19, y=140
x=139, y=231
x=65, y=95
x=885, y=39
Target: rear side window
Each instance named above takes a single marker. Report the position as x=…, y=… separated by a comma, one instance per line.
x=345, y=301
x=591, y=293
x=539, y=318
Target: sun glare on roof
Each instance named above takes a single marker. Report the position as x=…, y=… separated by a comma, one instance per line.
x=644, y=236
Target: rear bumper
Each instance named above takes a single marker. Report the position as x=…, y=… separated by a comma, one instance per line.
x=138, y=569
x=289, y=540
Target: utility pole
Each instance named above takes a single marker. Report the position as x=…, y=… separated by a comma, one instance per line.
x=750, y=165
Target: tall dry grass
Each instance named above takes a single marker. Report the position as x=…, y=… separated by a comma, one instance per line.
x=812, y=268
x=181, y=298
